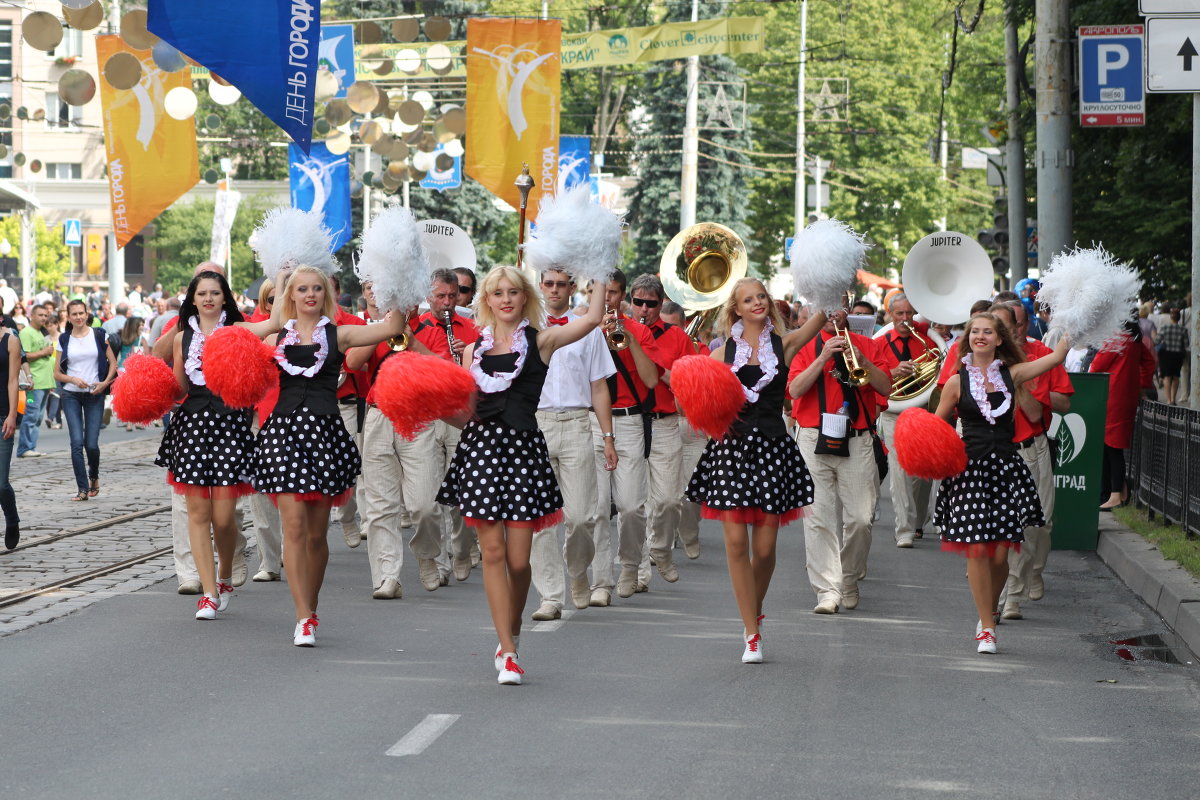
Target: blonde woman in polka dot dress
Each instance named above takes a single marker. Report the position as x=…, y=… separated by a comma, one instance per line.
x=984, y=510
x=754, y=480
x=208, y=447
x=500, y=477
x=304, y=458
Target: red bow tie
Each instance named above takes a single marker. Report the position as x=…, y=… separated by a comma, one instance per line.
x=557, y=320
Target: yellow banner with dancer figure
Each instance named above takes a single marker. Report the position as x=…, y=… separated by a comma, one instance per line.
x=513, y=87
x=152, y=157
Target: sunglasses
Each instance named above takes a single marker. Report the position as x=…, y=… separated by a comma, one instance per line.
x=466, y=289
x=556, y=284
x=271, y=299
x=638, y=301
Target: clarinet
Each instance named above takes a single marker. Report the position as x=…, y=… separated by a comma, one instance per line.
x=450, y=340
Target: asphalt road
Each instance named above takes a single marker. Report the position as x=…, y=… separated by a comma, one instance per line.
x=130, y=698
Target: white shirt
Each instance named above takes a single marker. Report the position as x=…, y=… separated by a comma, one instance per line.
x=82, y=360
x=572, y=370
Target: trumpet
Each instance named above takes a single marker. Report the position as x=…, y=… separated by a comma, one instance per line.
x=926, y=368
x=617, y=338
x=448, y=321
x=400, y=343
x=857, y=374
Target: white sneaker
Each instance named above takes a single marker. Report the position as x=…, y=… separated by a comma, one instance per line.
x=239, y=568
x=627, y=583
x=600, y=598
x=500, y=653
x=206, y=607
x=1037, y=588
x=265, y=576
x=692, y=549
x=190, y=586
x=547, y=611
x=987, y=641
x=754, y=650
x=352, y=535
x=427, y=568
x=850, y=598
x=668, y=570
x=388, y=590
x=905, y=543
x=306, y=633
x=510, y=671
x=224, y=594
x=580, y=591
x=1012, y=610
x=826, y=606
x=462, y=568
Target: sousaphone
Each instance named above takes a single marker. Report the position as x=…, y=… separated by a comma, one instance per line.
x=699, y=268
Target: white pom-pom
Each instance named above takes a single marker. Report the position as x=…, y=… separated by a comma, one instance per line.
x=575, y=235
x=1090, y=295
x=288, y=238
x=826, y=257
x=394, y=261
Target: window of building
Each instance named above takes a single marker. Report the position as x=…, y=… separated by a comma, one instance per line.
x=6, y=91
x=63, y=171
x=60, y=114
x=71, y=45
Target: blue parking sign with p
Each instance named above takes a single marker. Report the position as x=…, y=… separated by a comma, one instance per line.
x=73, y=233
x=1111, y=83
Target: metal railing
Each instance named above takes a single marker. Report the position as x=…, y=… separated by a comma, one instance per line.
x=1163, y=468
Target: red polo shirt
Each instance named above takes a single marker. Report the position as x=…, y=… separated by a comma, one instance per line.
x=806, y=409
x=433, y=334
x=624, y=397
x=672, y=344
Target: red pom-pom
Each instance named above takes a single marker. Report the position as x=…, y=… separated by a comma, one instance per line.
x=238, y=367
x=708, y=392
x=145, y=390
x=927, y=446
x=413, y=390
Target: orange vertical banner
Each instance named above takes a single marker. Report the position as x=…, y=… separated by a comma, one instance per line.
x=152, y=157
x=513, y=89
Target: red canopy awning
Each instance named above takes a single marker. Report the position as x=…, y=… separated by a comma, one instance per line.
x=868, y=278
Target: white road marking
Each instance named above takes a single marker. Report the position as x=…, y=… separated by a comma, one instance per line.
x=551, y=625
x=420, y=737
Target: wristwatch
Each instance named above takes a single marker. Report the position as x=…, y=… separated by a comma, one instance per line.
x=607, y=436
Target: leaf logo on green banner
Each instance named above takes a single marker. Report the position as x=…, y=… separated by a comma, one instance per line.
x=1071, y=433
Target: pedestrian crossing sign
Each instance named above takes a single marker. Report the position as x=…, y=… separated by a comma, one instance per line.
x=72, y=233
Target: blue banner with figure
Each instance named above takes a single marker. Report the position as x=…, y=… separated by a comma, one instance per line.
x=574, y=161
x=336, y=54
x=266, y=48
x=321, y=184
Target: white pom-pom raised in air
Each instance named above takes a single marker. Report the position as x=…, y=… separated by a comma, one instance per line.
x=394, y=261
x=288, y=238
x=575, y=235
x=826, y=257
x=1090, y=295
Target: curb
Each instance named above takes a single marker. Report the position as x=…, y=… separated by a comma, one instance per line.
x=1163, y=585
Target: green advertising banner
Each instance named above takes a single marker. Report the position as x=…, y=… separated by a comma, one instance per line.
x=1080, y=437
x=610, y=48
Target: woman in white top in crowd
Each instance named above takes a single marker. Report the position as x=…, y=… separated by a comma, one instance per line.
x=86, y=365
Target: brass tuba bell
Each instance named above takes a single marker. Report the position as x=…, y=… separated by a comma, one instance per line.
x=699, y=268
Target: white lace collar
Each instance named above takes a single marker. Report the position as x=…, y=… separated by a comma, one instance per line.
x=490, y=384
x=291, y=336
x=192, y=366
x=979, y=392
x=767, y=359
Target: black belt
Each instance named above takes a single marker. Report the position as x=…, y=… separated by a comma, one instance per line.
x=626, y=412
x=349, y=400
x=662, y=414
x=850, y=434
x=1030, y=442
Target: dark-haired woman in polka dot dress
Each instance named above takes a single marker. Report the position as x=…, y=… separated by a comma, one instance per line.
x=500, y=476
x=305, y=458
x=755, y=479
x=984, y=510
x=208, y=447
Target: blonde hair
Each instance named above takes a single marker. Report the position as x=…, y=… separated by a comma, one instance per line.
x=264, y=292
x=728, y=315
x=328, y=308
x=533, y=300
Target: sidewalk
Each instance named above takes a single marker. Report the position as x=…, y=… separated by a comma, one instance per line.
x=1163, y=585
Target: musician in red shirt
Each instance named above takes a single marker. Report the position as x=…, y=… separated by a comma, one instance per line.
x=846, y=479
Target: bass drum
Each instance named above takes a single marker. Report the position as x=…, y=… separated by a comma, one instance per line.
x=922, y=399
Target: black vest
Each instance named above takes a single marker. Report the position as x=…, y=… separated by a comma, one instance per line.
x=979, y=437
x=517, y=405
x=766, y=415
x=318, y=394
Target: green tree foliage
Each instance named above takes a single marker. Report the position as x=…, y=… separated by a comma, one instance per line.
x=185, y=233
x=51, y=256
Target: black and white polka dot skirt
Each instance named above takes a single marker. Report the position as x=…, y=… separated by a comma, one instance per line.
x=501, y=474
x=988, y=505
x=746, y=478
x=208, y=453
x=306, y=454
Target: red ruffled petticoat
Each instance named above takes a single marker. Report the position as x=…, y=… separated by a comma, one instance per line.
x=751, y=516
x=539, y=524
x=314, y=497
x=209, y=492
x=979, y=549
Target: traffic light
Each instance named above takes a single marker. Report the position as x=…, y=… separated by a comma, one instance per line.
x=995, y=238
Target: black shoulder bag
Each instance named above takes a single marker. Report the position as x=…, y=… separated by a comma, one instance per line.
x=639, y=403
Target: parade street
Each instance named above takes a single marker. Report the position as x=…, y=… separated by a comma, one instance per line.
x=129, y=697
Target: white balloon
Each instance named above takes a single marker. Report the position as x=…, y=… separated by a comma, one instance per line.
x=407, y=60
x=223, y=95
x=423, y=161
x=453, y=148
x=180, y=103
x=424, y=98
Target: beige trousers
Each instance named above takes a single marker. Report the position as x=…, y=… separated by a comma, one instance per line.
x=569, y=440
x=1035, y=551
x=664, y=493
x=626, y=488
x=837, y=557
x=390, y=462
x=694, y=443
x=910, y=496
x=346, y=514
x=456, y=540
